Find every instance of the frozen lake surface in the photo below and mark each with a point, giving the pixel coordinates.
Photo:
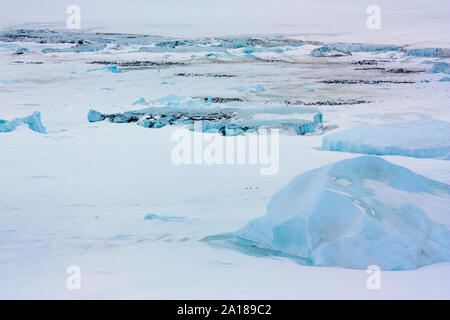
(107, 196)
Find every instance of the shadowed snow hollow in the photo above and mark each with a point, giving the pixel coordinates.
(356, 213)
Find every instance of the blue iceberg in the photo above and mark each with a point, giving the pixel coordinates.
(353, 213)
(223, 120)
(112, 69)
(95, 116)
(33, 121)
(139, 101)
(348, 48)
(440, 67)
(426, 138)
(428, 52)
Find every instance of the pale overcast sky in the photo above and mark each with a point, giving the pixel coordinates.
(213, 17)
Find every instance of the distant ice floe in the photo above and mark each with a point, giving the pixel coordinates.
(428, 52)
(176, 110)
(426, 138)
(348, 48)
(178, 51)
(106, 42)
(339, 49)
(33, 121)
(353, 213)
(440, 67)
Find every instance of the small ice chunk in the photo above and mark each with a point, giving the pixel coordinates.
(33, 121)
(258, 88)
(140, 101)
(95, 116)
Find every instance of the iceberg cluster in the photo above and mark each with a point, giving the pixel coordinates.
(354, 213)
(33, 121)
(96, 42)
(426, 138)
(176, 110)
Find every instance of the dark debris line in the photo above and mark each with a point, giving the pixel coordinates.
(364, 81)
(209, 75)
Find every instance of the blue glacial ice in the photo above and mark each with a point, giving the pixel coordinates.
(112, 69)
(348, 48)
(152, 216)
(11, 81)
(77, 48)
(33, 121)
(258, 88)
(215, 48)
(426, 138)
(139, 101)
(354, 213)
(238, 127)
(176, 110)
(331, 49)
(440, 67)
(95, 116)
(21, 51)
(428, 52)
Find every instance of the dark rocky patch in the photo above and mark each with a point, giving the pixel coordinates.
(393, 70)
(371, 69)
(328, 102)
(403, 70)
(223, 100)
(29, 62)
(209, 75)
(369, 62)
(365, 81)
(168, 117)
(136, 63)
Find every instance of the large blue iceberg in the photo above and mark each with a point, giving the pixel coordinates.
(354, 213)
(426, 138)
